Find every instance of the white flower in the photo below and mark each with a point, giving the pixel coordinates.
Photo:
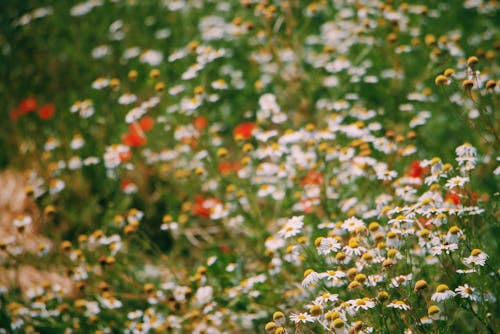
(477, 258)
(292, 227)
(310, 279)
(301, 317)
(204, 295)
(457, 181)
(352, 224)
(328, 245)
(442, 293)
(398, 304)
(467, 292)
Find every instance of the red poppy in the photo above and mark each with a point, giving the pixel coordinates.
(200, 123)
(125, 156)
(202, 206)
(415, 170)
(27, 105)
(146, 123)
(133, 139)
(452, 197)
(47, 111)
(244, 130)
(312, 177)
(225, 167)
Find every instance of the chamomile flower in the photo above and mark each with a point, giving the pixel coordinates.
(292, 227)
(301, 317)
(442, 293)
(467, 292)
(456, 182)
(477, 258)
(399, 305)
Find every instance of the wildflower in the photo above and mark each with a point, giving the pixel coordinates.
(442, 80)
(401, 280)
(420, 285)
(467, 292)
(433, 312)
(467, 84)
(442, 293)
(21, 222)
(399, 304)
(328, 245)
(292, 227)
(339, 326)
(301, 318)
(279, 317)
(363, 304)
(310, 278)
(270, 327)
(477, 257)
(457, 181)
(244, 131)
(46, 111)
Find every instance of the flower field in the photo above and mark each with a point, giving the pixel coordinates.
(249, 166)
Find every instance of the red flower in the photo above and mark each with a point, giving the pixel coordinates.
(202, 206)
(452, 197)
(244, 130)
(15, 113)
(27, 105)
(46, 111)
(133, 139)
(200, 123)
(415, 170)
(225, 167)
(146, 123)
(125, 156)
(313, 177)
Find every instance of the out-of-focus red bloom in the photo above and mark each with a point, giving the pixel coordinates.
(47, 111)
(125, 156)
(200, 123)
(27, 105)
(146, 123)
(15, 113)
(415, 170)
(225, 249)
(452, 197)
(227, 167)
(202, 206)
(312, 177)
(244, 130)
(425, 222)
(307, 206)
(133, 139)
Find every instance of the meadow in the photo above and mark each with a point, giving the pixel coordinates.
(251, 166)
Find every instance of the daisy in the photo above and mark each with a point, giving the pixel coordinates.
(326, 297)
(456, 182)
(352, 224)
(362, 304)
(310, 278)
(399, 304)
(467, 292)
(292, 227)
(401, 280)
(328, 245)
(301, 318)
(442, 293)
(477, 257)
